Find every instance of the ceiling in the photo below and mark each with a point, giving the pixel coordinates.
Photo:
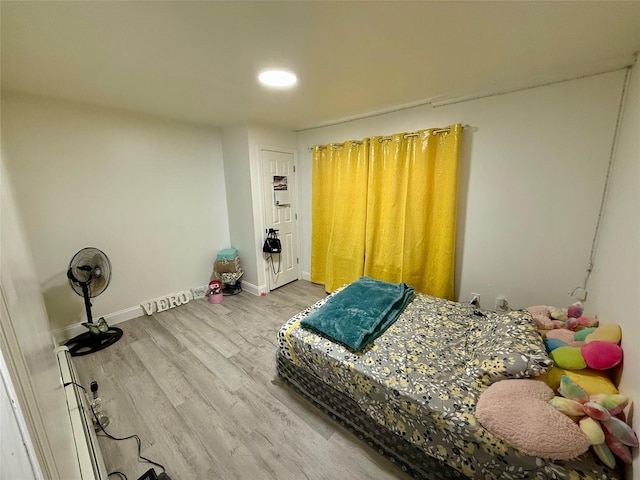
(198, 61)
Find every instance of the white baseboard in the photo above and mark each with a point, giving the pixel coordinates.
(246, 286)
(254, 289)
(124, 315)
(306, 276)
(61, 335)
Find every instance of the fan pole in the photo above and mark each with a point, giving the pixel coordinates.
(87, 302)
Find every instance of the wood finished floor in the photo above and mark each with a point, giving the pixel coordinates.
(198, 385)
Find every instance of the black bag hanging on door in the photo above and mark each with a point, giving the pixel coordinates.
(272, 242)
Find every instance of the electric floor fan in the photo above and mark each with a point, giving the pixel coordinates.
(89, 275)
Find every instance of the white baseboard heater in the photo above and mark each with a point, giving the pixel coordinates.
(90, 462)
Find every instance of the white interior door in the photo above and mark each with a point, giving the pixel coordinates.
(279, 187)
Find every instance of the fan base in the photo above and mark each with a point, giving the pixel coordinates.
(87, 342)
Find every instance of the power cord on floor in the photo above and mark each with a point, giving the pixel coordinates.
(163, 475)
(76, 384)
(138, 441)
(122, 475)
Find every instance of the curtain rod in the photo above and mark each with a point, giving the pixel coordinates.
(384, 139)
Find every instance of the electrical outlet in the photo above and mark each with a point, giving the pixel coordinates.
(501, 304)
(199, 292)
(475, 299)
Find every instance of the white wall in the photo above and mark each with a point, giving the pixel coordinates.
(43, 441)
(149, 192)
(241, 148)
(237, 171)
(532, 169)
(615, 282)
(261, 136)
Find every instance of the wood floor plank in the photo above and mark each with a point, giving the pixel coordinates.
(221, 368)
(160, 334)
(227, 412)
(198, 384)
(184, 447)
(230, 454)
(171, 380)
(322, 424)
(213, 331)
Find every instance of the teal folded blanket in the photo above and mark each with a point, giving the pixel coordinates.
(360, 313)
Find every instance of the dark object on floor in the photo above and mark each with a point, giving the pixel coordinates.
(149, 475)
(232, 289)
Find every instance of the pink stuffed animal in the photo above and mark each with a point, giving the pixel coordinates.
(548, 318)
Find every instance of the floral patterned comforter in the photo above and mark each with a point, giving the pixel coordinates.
(422, 378)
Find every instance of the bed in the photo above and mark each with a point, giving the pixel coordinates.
(411, 393)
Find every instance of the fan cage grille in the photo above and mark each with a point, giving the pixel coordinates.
(91, 266)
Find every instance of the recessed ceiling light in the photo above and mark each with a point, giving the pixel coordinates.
(277, 78)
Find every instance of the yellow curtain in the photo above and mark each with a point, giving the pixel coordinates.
(411, 210)
(339, 205)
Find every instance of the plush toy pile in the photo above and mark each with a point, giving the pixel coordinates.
(577, 344)
(548, 318)
(597, 418)
(595, 348)
(582, 352)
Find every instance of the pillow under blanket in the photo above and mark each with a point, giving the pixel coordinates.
(505, 346)
(518, 412)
